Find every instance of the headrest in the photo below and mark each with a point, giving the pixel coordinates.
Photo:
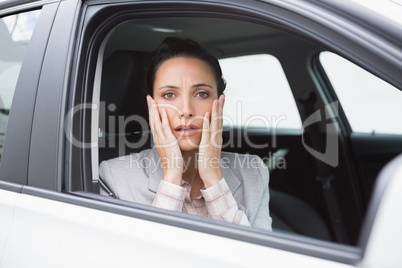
(122, 93)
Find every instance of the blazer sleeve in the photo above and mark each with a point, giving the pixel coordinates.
(263, 220)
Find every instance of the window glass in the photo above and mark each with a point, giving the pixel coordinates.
(15, 33)
(370, 104)
(271, 104)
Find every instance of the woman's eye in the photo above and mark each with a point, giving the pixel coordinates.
(168, 95)
(202, 94)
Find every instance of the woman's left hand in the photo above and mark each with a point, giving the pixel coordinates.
(209, 155)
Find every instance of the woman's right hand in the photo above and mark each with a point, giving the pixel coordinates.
(165, 143)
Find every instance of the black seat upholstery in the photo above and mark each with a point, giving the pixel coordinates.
(290, 214)
(124, 113)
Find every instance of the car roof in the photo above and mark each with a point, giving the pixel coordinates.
(223, 37)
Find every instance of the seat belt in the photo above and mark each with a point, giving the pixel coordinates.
(324, 173)
(276, 157)
(106, 188)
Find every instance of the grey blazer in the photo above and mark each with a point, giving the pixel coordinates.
(136, 178)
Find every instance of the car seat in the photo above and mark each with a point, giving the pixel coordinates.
(121, 97)
(293, 215)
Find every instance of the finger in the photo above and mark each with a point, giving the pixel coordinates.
(205, 134)
(221, 104)
(151, 110)
(149, 106)
(156, 119)
(150, 114)
(216, 136)
(165, 121)
(167, 132)
(158, 122)
(215, 115)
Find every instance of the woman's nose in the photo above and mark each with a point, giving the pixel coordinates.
(186, 109)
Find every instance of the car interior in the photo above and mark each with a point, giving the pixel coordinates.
(299, 192)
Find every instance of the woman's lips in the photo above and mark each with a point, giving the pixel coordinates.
(187, 130)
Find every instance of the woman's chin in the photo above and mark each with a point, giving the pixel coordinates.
(188, 144)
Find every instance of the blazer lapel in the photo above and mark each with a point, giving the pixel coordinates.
(155, 171)
(231, 179)
(234, 184)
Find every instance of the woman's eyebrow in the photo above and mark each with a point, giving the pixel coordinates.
(168, 87)
(193, 86)
(202, 85)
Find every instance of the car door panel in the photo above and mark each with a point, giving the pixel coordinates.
(46, 229)
(7, 200)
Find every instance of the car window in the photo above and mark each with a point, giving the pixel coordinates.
(263, 75)
(258, 95)
(370, 104)
(15, 34)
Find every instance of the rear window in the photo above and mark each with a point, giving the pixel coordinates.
(370, 104)
(271, 104)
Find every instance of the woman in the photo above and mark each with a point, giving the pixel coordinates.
(186, 170)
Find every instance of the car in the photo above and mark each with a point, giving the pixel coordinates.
(313, 89)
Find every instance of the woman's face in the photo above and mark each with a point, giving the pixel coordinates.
(186, 88)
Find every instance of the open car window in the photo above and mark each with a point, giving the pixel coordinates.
(260, 103)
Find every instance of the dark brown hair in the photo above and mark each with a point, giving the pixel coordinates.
(173, 47)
